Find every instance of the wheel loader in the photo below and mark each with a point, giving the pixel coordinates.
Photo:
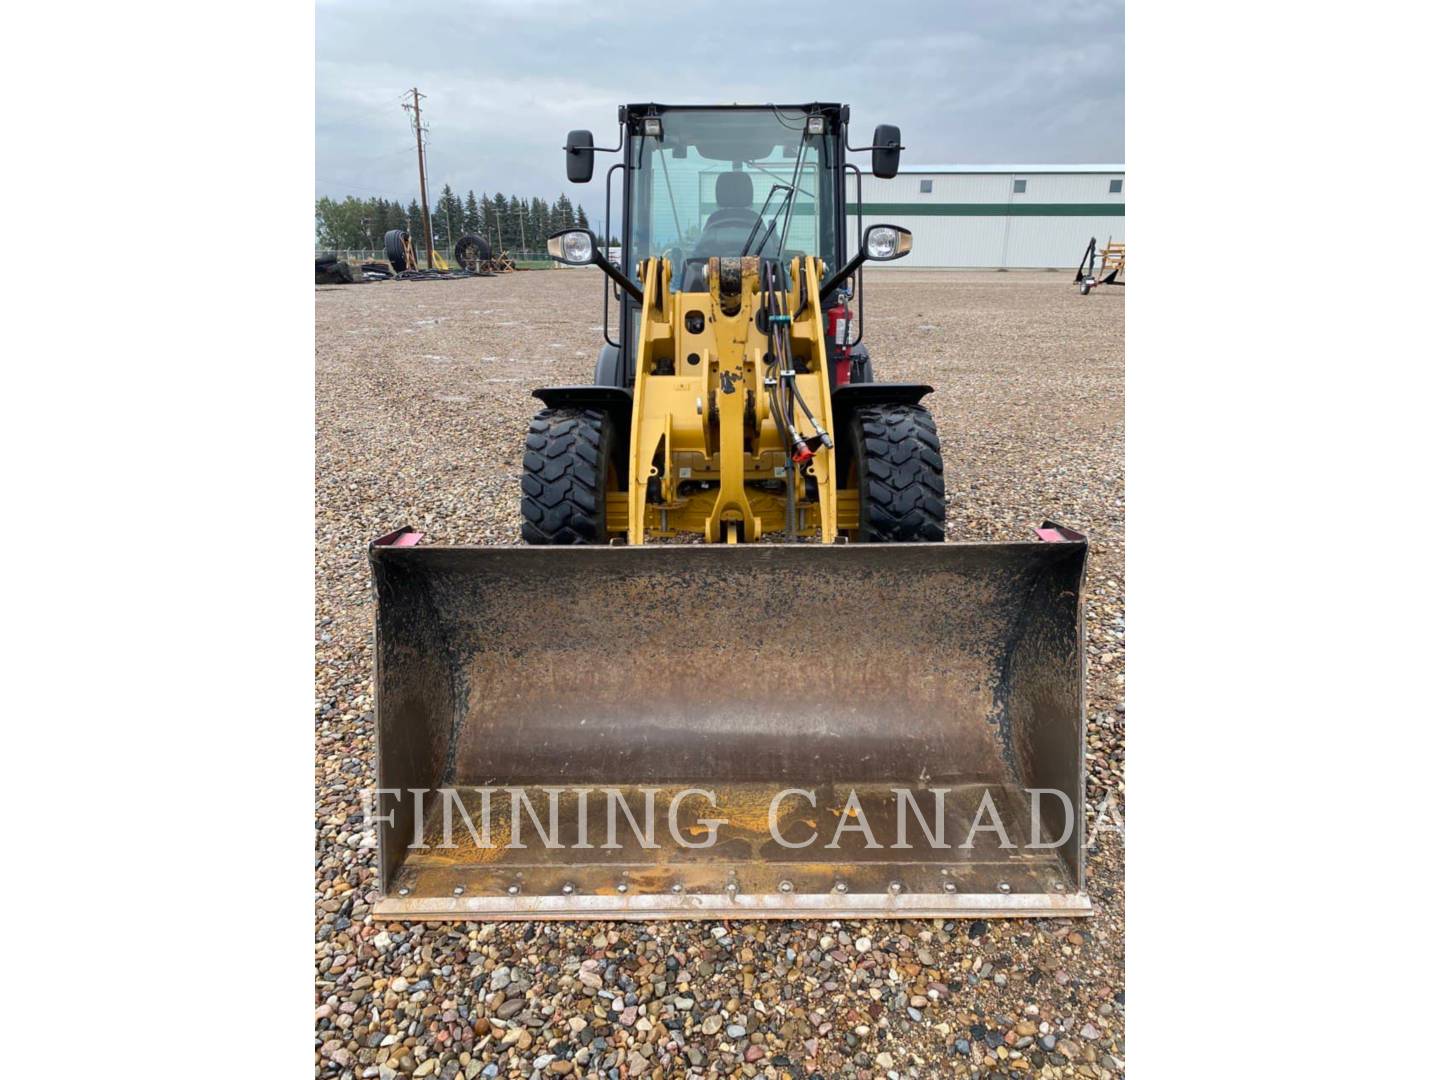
(735, 669)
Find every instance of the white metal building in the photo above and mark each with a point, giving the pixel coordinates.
(1012, 216)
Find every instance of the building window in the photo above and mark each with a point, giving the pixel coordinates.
(1115, 186)
(1019, 187)
(927, 186)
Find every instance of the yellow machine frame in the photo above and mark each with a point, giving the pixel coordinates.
(702, 438)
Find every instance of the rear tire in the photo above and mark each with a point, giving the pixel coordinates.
(568, 469)
(896, 467)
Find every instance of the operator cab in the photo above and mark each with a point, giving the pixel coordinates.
(697, 182)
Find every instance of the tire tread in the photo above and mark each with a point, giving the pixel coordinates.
(562, 496)
(900, 474)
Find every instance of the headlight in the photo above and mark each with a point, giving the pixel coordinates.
(578, 247)
(881, 243)
(885, 242)
(574, 246)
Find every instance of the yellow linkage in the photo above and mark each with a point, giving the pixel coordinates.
(701, 436)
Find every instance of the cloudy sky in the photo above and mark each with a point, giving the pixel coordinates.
(968, 81)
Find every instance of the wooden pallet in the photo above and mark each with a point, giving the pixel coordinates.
(1112, 264)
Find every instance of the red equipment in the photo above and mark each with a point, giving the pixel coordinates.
(837, 329)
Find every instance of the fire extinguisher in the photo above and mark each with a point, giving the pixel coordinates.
(837, 329)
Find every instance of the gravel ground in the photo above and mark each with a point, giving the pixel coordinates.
(422, 403)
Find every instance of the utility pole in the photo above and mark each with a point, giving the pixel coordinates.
(415, 96)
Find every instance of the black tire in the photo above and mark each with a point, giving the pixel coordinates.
(567, 471)
(329, 258)
(337, 273)
(395, 248)
(608, 371)
(471, 250)
(895, 464)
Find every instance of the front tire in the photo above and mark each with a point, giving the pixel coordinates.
(896, 467)
(568, 469)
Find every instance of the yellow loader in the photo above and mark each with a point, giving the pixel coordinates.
(815, 708)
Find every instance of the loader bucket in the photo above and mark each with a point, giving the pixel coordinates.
(678, 731)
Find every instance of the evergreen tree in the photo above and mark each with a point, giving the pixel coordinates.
(515, 222)
(563, 214)
(509, 222)
(487, 220)
(447, 219)
(497, 214)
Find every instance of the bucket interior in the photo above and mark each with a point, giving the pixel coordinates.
(785, 693)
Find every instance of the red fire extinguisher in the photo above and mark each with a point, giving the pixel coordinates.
(837, 329)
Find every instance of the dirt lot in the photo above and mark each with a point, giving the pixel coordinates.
(422, 398)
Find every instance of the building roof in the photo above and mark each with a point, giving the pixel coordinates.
(1027, 169)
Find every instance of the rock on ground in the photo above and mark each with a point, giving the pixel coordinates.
(422, 401)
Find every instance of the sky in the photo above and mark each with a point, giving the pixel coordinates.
(967, 81)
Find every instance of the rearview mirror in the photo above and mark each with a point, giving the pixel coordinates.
(885, 152)
(580, 157)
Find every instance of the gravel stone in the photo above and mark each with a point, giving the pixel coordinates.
(422, 403)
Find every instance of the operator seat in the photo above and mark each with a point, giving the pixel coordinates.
(728, 227)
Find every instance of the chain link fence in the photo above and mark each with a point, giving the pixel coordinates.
(527, 260)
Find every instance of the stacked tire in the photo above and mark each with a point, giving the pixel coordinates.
(330, 270)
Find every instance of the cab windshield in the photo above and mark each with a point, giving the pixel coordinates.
(731, 182)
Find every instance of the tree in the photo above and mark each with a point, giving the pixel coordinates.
(563, 214)
(376, 221)
(509, 222)
(515, 219)
(447, 219)
(495, 217)
(487, 219)
(341, 225)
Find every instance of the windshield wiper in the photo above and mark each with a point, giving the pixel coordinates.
(760, 218)
(674, 211)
